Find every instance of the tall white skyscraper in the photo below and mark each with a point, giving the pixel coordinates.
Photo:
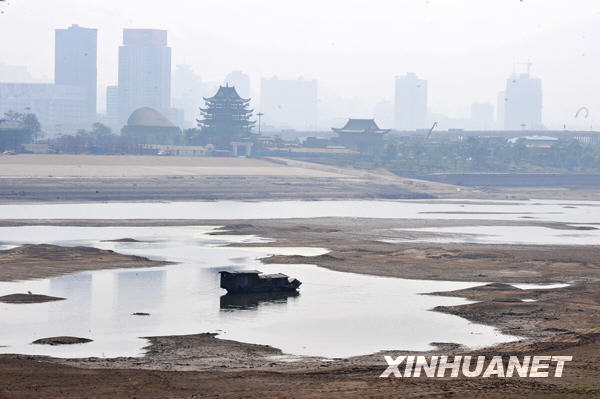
(144, 72)
(112, 106)
(410, 108)
(241, 81)
(75, 62)
(523, 103)
(289, 104)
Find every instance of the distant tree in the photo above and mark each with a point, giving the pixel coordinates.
(478, 151)
(194, 136)
(27, 121)
(101, 130)
(32, 125)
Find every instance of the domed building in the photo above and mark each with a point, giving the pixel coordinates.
(148, 126)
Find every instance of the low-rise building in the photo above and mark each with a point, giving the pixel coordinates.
(362, 135)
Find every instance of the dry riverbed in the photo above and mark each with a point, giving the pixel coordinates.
(556, 321)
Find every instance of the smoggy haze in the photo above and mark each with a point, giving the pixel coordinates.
(465, 49)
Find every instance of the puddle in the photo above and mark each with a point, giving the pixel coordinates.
(539, 286)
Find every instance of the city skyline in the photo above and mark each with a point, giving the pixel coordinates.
(476, 58)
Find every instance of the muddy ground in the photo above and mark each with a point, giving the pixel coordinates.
(43, 261)
(560, 321)
(35, 377)
(29, 298)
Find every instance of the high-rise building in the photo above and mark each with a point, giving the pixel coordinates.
(523, 103)
(75, 62)
(289, 104)
(240, 81)
(112, 106)
(144, 72)
(410, 108)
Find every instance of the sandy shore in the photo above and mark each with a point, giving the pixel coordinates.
(132, 166)
(84, 178)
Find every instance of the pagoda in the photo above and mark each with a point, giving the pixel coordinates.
(226, 117)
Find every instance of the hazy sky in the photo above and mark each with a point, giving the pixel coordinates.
(465, 48)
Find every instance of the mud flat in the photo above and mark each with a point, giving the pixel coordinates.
(534, 313)
(28, 298)
(43, 261)
(63, 340)
(356, 246)
(558, 321)
(27, 376)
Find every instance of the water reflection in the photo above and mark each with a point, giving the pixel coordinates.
(336, 315)
(231, 302)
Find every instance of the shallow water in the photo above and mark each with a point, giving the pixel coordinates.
(335, 315)
(518, 235)
(540, 210)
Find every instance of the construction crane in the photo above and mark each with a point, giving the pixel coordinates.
(430, 131)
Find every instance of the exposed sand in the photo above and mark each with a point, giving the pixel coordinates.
(85, 178)
(85, 166)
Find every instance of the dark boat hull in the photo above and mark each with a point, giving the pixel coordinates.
(253, 282)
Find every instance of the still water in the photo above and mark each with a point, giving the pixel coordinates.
(335, 315)
(539, 210)
(516, 235)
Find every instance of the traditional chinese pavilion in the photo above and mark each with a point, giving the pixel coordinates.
(362, 135)
(226, 117)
